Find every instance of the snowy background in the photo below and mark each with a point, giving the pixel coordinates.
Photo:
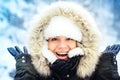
(13, 14)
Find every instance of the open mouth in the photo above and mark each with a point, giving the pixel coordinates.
(62, 55)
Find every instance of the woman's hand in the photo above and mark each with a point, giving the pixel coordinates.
(114, 49)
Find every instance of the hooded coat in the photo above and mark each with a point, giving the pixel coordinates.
(90, 64)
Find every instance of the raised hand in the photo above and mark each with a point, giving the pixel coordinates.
(17, 51)
(114, 49)
(19, 55)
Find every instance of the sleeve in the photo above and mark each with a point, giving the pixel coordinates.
(24, 68)
(107, 68)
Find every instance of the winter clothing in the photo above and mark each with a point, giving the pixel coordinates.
(59, 25)
(112, 50)
(89, 65)
(66, 70)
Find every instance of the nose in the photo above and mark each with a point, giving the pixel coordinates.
(63, 45)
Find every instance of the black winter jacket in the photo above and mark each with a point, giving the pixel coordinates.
(105, 70)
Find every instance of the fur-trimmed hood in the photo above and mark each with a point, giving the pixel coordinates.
(85, 22)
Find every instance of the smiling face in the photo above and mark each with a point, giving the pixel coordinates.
(61, 45)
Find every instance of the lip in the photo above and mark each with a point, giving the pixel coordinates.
(63, 56)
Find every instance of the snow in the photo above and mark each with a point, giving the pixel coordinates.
(12, 29)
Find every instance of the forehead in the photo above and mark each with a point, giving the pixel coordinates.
(61, 37)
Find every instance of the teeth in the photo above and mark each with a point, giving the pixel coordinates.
(62, 54)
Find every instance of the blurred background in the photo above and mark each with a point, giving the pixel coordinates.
(13, 14)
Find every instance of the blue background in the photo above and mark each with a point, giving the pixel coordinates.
(14, 14)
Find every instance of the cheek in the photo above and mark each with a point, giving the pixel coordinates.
(51, 46)
(73, 45)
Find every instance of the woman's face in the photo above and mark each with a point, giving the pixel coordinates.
(61, 45)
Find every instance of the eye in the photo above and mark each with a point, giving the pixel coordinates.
(69, 39)
(54, 39)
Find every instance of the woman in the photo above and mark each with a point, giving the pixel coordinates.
(64, 45)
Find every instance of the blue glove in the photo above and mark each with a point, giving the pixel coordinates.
(20, 56)
(16, 52)
(114, 49)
